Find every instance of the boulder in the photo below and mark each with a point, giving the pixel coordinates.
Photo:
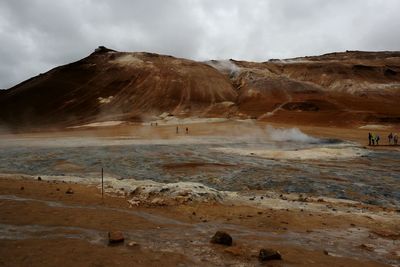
(269, 254)
(222, 238)
(115, 237)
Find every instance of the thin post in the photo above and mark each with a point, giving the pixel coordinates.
(102, 184)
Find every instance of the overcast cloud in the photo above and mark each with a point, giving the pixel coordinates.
(37, 35)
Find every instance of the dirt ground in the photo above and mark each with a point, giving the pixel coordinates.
(85, 209)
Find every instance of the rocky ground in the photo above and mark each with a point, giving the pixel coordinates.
(46, 223)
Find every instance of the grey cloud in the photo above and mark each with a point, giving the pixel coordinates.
(37, 35)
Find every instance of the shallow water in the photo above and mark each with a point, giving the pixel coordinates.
(371, 177)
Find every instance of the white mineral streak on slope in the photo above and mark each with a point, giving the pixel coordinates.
(100, 124)
(374, 127)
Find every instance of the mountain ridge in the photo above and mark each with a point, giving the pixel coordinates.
(351, 87)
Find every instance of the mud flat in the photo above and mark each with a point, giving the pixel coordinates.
(318, 196)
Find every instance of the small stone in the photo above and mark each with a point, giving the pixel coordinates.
(115, 237)
(158, 201)
(222, 238)
(269, 254)
(58, 189)
(133, 244)
(194, 213)
(368, 247)
(22, 188)
(326, 252)
(69, 191)
(39, 178)
(259, 213)
(184, 193)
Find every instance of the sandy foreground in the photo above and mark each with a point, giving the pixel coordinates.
(43, 225)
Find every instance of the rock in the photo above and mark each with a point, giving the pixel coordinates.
(368, 247)
(134, 202)
(269, 254)
(115, 237)
(158, 202)
(388, 234)
(39, 178)
(184, 193)
(22, 188)
(222, 238)
(133, 244)
(69, 191)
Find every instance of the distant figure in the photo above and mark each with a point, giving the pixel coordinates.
(377, 140)
(156, 123)
(390, 137)
(395, 139)
(177, 129)
(187, 130)
(373, 139)
(151, 124)
(369, 139)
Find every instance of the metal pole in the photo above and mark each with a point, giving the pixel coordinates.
(102, 184)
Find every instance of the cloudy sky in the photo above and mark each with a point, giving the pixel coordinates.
(37, 35)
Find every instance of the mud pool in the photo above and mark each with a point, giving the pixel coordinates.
(360, 174)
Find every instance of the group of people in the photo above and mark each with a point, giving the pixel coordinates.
(177, 130)
(373, 139)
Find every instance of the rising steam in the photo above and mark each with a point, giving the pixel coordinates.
(292, 134)
(225, 66)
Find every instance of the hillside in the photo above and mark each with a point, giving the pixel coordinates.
(110, 85)
(349, 88)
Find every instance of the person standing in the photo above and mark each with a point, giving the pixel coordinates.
(377, 139)
(369, 139)
(395, 139)
(390, 137)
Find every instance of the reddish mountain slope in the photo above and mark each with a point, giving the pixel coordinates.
(349, 88)
(115, 85)
(337, 88)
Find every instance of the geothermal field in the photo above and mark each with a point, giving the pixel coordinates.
(318, 196)
(142, 159)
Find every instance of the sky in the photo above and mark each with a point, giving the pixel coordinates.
(37, 35)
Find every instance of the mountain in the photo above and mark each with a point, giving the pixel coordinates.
(339, 88)
(346, 88)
